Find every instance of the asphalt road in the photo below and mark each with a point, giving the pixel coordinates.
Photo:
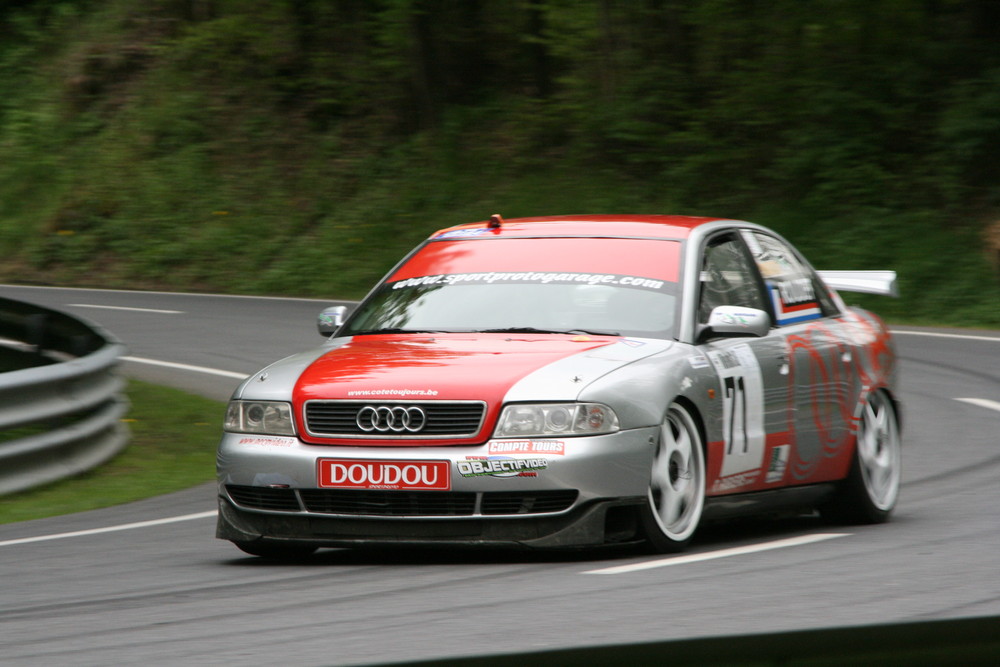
(147, 582)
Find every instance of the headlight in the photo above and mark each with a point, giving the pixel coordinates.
(263, 417)
(548, 419)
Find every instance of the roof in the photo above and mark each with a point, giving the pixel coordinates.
(641, 226)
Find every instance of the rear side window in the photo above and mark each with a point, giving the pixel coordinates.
(795, 291)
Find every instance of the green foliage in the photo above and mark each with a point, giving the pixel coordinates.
(300, 147)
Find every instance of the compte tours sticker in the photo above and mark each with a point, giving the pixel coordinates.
(549, 447)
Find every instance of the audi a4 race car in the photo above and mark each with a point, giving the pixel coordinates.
(570, 381)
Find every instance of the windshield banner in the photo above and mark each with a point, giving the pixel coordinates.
(542, 277)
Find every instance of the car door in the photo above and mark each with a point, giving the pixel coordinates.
(820, 360)
(752, 374)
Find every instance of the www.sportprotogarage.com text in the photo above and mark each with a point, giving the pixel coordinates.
(531, 276)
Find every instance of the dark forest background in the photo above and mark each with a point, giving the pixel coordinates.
(300, 147)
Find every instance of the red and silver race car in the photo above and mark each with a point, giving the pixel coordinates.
(570, 381)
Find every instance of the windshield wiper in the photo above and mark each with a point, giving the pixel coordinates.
(533, 330)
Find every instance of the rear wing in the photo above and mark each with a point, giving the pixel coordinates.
(867, 282)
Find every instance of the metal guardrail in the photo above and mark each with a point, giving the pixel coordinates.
(61, 406)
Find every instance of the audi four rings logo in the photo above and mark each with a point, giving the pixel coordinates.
(385, 418)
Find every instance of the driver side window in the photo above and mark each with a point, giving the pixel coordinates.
(727, 278)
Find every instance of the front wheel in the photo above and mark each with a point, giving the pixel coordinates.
(676, 494)
(869, 493)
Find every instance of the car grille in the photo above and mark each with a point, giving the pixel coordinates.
(527, 503)
(263, 498)
(401, 503)
(339, 419)
(389, 503)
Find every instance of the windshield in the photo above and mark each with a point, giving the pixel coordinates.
(529, 289)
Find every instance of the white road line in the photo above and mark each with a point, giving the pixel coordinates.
(136, 310)
(995, 339)
(110, 529)
(21, 345)
(981, 402)
(186, 367)
(723, 553)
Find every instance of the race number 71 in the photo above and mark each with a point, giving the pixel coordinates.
(735, 390)
(742, 407)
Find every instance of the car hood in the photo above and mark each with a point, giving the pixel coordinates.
(439, 367)
(492, 368)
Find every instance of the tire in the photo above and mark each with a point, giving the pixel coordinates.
(676, 493)
(870, 491)
(272, 551)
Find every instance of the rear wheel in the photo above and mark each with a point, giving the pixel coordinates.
(676, 494)
(869, 493)
(274, 551)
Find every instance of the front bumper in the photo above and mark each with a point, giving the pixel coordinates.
(582, 492)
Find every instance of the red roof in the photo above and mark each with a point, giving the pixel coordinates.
(518, 252)
(650, 226)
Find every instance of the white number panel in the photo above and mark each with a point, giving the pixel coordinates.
(743, 408)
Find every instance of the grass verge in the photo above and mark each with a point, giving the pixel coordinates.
(174, 436)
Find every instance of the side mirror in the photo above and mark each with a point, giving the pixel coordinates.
(330, 320)
(735, 322)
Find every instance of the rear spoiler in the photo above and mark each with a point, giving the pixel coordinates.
(868, 282)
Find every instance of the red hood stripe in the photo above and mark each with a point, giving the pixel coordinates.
(394, 368)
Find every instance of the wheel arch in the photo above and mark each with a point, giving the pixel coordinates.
(699, 421)
(897, 404)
